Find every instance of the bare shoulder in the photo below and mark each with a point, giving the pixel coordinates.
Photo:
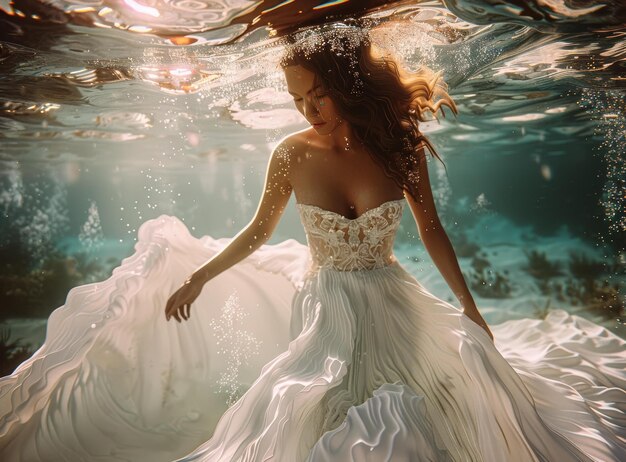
(291, 147)
(295, 141)
(282, 161)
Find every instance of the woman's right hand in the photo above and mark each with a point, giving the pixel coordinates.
(179, 304)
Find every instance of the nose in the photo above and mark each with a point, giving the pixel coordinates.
(310, 108)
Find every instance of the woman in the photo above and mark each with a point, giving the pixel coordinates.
(338, 142)
(370, 345)
(330, 351)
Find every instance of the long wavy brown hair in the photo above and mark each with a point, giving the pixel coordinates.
(380, 99)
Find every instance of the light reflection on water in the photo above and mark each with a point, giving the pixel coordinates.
(127, 114)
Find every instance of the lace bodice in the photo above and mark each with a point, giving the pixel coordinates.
(346, 244)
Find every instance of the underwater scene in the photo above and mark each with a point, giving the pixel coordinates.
(113, 114)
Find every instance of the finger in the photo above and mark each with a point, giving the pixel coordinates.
(188, 310)
(176, 314)
(169, 308)
(174, 305)
(182, 311)
(169, 311)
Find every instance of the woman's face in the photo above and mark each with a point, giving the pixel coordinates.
(312, 102)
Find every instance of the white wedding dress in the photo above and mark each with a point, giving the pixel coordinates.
(325, 352)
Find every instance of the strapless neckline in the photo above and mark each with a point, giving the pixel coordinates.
(367, 212)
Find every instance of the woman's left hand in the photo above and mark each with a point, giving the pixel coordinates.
(179, 304)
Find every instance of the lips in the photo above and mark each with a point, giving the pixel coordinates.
(319, 124)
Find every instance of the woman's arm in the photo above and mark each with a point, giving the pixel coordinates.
(274, 198)
(437, 242)
(276, 193)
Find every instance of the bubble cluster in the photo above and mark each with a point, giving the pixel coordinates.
(12, 192)
(481, 203)
(340, 38)
(38, 213)
(91, 235)
(234, 343)
(607, 108)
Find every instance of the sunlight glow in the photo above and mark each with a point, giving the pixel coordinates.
(287, 2)
(142, 8)
(329, 4)
(523, 117)
(181, 72)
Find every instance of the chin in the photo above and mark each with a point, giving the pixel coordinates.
(322, 129)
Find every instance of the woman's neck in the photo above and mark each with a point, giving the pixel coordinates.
(343, 139)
